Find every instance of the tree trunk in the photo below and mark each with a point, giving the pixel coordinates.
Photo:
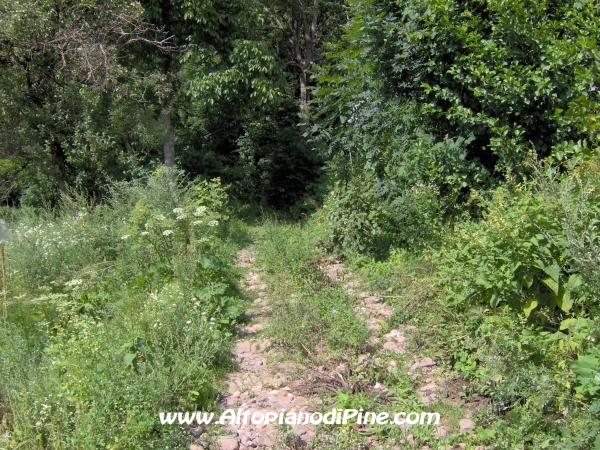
(128, 147)
(169, 146)
(304, 97)
(309, 33)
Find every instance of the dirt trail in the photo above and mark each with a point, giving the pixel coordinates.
(259, 384)
(263, 384)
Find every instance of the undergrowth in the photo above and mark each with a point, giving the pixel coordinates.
(116, 312)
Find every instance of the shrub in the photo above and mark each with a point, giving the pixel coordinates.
(521, 254)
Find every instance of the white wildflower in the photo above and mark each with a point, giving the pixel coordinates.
(124, 237)
(167, 232)
(213, 223)
(200, 210)
(144, 233)
(178, 210)
(73, 283)
(160, 217)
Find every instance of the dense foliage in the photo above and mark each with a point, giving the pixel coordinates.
(450, 150)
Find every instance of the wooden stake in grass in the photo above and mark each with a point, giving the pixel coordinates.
(4, 236)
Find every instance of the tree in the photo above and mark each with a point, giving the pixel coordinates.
(70, 97)
(301, 30)
(223, 56)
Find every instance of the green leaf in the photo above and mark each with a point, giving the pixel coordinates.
(586, 367)
(573, 282)
(564, 300)
(552, 285)
(529, 306)
(553, 272)
(566, 324)
(128, 359)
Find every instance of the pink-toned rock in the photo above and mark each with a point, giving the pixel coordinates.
(246, 441)
(380, 387)
(441, 432)
(392, 347)
(265, 440)
(300, 430)
(228, 443)
(466, 424)
(427, 362)
(196, 447)
(243, 347)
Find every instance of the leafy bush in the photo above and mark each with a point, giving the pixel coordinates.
(531, 255)
(493, 70)
(520, 253)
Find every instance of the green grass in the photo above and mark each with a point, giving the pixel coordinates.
(311, 314)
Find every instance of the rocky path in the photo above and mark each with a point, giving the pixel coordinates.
(262, 382)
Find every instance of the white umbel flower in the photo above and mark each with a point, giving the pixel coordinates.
(200, 210)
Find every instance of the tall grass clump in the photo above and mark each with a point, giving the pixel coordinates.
(311, 313)
(117, 311)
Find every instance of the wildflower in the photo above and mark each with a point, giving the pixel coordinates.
(167, 232)
(144, 233)
(197, 222)
(200, 210)
(178, 210)
(124, 237)
(213, 223)
(160, 217)
(73, 283)
(188, 322)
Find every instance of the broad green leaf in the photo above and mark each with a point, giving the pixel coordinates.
(573, 282)
(567, 323)
(553, 272)
(128, 359)
(586, 367)
(529, 306)
(552, 285)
